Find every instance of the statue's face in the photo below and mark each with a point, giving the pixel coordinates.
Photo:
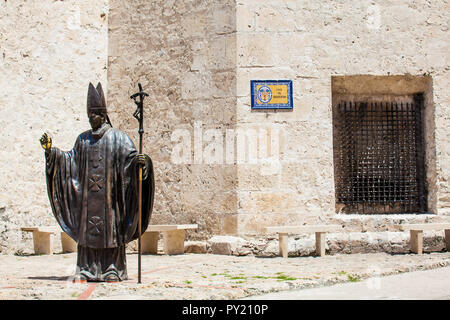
(96, 120)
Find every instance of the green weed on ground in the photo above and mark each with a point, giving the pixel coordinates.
(279, 276)
(353, 278)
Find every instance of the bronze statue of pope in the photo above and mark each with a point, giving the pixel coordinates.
(93, 192)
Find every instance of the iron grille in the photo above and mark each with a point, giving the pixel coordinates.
(379, 156)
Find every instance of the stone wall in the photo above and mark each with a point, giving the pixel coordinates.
(183, 53)
(309, 43)
(196, 58)
(49, 51)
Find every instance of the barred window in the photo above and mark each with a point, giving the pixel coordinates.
(379, 155)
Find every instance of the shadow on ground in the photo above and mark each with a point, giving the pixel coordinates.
(54, 278)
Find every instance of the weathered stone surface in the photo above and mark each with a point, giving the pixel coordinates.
(184, 54)
(271, 249)
(206, 277)
(49, 52)
(195, 247)
(310, 56)
(196, 59)
(350, 243)
(226, 245)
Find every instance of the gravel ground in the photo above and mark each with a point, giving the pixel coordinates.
(201, 276)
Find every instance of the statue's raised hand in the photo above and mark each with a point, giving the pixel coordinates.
(46, 142)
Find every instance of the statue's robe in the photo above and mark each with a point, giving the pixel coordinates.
(93, 191)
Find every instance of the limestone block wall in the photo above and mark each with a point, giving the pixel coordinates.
(196, 58)
(184, 55)
(49, 51)
(309, 42)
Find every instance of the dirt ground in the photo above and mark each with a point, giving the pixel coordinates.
(200, 276)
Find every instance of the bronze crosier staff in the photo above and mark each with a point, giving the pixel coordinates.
(139, 115)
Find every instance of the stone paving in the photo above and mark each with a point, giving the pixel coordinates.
(431, 284)
(201, 276)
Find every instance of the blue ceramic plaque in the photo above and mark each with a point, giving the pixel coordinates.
(271, 94)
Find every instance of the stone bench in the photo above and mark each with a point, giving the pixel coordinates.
(416, 232)
(319, 230)
(173, 238)
(43, 242)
